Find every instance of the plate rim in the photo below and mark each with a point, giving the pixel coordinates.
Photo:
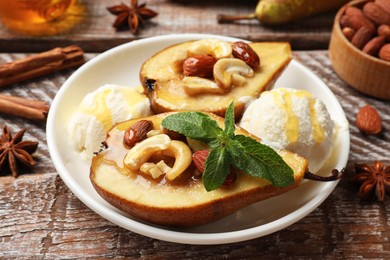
(171, 235)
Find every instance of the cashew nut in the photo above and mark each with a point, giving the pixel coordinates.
(162, 166)
(183, 158)
(154, 132)
(197, 85)
(155, 170)
(138, 156)
(151, 169)
(231, 71)
(143, 150)
(218, 49)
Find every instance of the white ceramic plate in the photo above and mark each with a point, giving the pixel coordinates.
(121, 65)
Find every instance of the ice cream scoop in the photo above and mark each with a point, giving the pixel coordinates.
(100, 110)
(294, 120)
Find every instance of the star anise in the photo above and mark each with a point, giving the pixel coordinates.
(131, 16)
(15, 152)
(372, 177)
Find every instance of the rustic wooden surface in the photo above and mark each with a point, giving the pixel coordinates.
(95, 34)
(41, 218)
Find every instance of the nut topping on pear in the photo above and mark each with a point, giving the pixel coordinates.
(199, 65)
(244, 52)
(230, 72)
(218, 49)
(137, 158)
(182, 81)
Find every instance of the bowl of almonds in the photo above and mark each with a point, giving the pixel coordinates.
(359, 48)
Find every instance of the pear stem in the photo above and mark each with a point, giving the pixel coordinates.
(335, 176)
(222, 18)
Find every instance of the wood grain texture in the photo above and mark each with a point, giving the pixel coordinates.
(41, 219)
(96, 34)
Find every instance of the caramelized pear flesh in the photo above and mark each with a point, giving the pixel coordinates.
(163, 82)
(183, 201)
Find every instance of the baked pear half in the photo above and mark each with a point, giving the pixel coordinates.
(157, 179)
(206, 75)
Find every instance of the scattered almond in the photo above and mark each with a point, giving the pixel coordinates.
(137, 132)
(199, 66)
(368, 120)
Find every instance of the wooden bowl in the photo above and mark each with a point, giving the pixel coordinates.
(367, 74)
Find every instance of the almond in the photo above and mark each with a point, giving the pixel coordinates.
(137, 132)
(173, 134)
(384, 30)
(376, 13)
(243, 51)
(384, 52)
(353, 10)
(374, 45)
(384, 4)
(368, 120)
(230, 179)
(199, 66)
(199, 159)
(356, 21)
(348, 33)
(361, 37)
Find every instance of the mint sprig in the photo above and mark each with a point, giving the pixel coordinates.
(227, 148)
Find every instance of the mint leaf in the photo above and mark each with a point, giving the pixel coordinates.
(245, 162)
(194, 125)
(260, 160)
(229, 121)
(216, 168)
(214, 143)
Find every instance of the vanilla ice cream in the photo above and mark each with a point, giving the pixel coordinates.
(100, 110)
(294, 120)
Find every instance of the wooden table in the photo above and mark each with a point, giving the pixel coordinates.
(41, 218)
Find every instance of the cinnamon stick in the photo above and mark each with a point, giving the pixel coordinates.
(41, 64)
(27, 108)
(37, 104)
